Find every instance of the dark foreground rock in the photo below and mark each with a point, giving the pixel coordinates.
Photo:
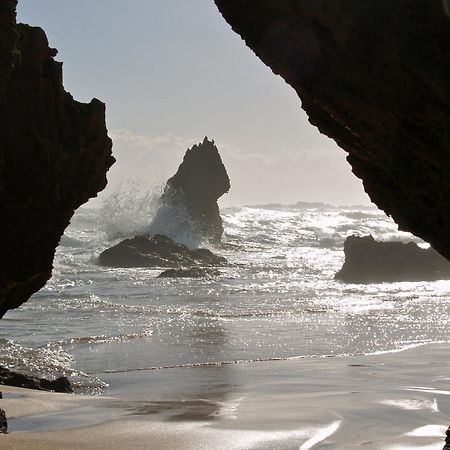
(374, 76)
(447, 440)
(200, 181)
(192, 272)
(3, 422)
(369, 261)
(10, 378)
(157, 251)
(54, 155)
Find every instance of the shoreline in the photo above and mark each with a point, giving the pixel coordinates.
(389, 401)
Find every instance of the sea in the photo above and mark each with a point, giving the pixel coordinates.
(277, 300)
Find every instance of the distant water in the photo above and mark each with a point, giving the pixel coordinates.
(277, 300)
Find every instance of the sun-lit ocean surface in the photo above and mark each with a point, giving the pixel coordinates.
(277, 300)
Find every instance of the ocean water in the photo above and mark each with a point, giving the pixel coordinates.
(277, 300)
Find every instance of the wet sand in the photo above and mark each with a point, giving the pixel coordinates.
(391, 401)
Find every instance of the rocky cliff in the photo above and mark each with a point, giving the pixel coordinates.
(372, 75)
(54, 155)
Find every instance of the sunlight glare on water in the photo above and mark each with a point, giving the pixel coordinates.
(277, 299)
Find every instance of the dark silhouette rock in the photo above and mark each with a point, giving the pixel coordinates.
(157, 251)
(3, 422)
(447, 440)
(54, 155)
(200, 181)
(369, 261)
(374, 76)
(192, 272)
(10, 378)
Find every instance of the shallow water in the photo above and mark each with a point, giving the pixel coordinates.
(277, 300)
(387, 401)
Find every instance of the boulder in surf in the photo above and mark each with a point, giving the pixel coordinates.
(371, 261)
(157, 251)
(11, 378)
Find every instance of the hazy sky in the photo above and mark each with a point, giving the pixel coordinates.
(171, 72)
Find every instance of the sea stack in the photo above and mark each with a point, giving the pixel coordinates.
(201, 179)
(188, 214)
(370, 261)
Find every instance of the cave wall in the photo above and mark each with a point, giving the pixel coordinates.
(54, 155)
(374, 76)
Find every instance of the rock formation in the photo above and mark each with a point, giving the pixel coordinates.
(447, 440)
(192, 272)
(372, 75)
(11, 378)
(199, 182)
(157, 251)
(369, 261)
(3, 422)
(54, 155)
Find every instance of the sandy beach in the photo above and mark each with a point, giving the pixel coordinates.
(390, 401)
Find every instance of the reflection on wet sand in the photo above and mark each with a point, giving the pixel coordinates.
(202, 394)
(204, 405)
(303, 404)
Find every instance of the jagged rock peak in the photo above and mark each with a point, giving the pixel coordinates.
(201, 179)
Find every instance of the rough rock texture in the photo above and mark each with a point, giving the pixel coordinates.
(54, 155)
(374, 76)
(199, 182)
(157, 251)
(447, 440)
(10, 378)
(369, 261)
(3, 422)
(192, 272)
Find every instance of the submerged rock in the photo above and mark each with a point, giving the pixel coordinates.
(192, 193)
(373, 76)
(54, 155)
(10, 378)
(369, 261)
(192, 272)
(157, 251)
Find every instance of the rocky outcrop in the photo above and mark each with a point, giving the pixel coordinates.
(200, 181)
(54, 155)
(157, 251)
(11, 378)
(192, 272)
(372, 75)
(369, 261)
